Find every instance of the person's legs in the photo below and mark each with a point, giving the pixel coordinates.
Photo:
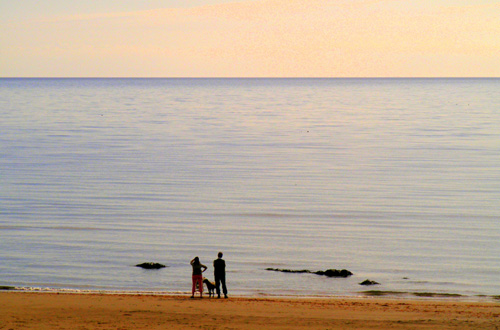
(197, 281)
(200, 284)
(217, 285)
(223, 282)
(194, 279)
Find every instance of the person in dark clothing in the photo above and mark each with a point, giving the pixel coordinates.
(220, 275)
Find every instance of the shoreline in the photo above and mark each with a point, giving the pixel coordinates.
(366, 294)
(96, 311)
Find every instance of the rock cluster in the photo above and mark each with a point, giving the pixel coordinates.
(151, 265)
(328, 273)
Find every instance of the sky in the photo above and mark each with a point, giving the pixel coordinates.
(250, 38)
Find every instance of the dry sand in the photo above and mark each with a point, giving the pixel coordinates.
(25, 310)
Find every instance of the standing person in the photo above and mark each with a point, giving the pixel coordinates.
(220, 275)
(198, 269)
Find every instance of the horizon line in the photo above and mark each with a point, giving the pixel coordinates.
(216, 77)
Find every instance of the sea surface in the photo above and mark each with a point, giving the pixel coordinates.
(396, 180)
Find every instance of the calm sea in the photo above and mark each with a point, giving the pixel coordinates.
(396, 180)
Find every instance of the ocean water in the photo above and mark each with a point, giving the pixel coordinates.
(396, 180)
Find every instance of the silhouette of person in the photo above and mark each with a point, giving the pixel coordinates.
(220, 275)
(198, 269)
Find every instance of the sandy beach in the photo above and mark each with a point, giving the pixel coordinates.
(23, 310)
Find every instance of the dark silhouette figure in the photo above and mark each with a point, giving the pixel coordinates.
(198, 269)
(220, 275)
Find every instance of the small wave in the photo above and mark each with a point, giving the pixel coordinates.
(88, 291)
(43, 289)
(17, 227)
(74, 228)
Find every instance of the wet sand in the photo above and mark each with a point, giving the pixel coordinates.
(28, 310)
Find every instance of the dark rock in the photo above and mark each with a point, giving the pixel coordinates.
(368, 282)
(334, 273)
(289, 270)
(3, 287)
(151, 265)
(328, 273)
(345, 273)
(338, 273)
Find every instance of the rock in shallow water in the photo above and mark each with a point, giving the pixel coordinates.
(368, 282)
(150, 265)
(335, 273)
(328, 273)
(4, 287)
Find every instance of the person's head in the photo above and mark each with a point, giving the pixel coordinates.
(196, 260)
(220, 255)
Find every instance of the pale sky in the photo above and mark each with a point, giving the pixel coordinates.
(250, 38)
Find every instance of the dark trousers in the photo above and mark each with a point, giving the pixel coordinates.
(220, 279)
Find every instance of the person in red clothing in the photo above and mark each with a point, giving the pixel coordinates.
(220, 275)
(198, 269)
